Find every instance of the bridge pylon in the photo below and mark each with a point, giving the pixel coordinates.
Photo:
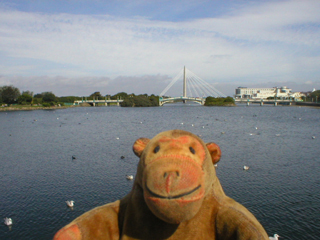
(194, 89)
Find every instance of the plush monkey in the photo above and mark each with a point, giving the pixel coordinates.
(176, 195)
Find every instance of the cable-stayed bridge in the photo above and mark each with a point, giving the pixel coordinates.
(194, 89)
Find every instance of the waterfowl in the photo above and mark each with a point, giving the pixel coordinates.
(70, 203)
(275, 237)
(245, 167)
(8, 221)
(129, 177)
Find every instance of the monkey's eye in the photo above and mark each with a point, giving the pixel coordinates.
(192, 150)
(156, 149)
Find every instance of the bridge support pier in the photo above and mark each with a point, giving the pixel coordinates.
(275, 104)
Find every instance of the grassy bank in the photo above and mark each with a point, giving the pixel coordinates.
(29, 108)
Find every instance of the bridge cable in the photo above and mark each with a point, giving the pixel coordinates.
(171, 83)
(194, 86)
(199, 86)
(217, 92)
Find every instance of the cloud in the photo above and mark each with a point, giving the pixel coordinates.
(269, 41)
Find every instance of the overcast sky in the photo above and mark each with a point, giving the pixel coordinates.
(77, 47)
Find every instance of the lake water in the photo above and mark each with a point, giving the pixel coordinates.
(37, 173)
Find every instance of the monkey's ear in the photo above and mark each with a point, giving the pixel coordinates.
(214, 151)
(139, 145)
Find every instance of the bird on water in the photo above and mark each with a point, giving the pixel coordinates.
(70, 203)
(275, 237)
(129, 177)
(8, 221)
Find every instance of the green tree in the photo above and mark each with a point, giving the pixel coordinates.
(136, 101)
(121, 95)
(154, 100)
(315, 95)
(27, 92)
(96, 96)
(9, 94)
(212, 101)
(38, 95)
(37, 98)
(49, 97)
(229, 100)
(25, 98)
(68, 99)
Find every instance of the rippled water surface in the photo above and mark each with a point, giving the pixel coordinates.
(37, 173)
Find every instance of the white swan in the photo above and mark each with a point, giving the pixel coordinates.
(129, 177)
(275, 237)
(245, 167)
(70, 203)
(8, 221)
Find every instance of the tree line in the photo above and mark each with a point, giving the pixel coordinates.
(219, 101)
(12, 95)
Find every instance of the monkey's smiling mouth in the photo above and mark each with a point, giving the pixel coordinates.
(172, 197)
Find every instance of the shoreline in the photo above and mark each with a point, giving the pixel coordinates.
(4, 109)
(29, 108)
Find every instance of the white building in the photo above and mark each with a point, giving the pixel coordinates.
(264, 93)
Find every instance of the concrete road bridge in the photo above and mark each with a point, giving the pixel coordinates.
(275, 102)
(93, 102)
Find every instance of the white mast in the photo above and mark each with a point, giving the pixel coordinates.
(184, 82)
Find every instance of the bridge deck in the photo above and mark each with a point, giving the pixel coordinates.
(97, 101)
(266, 101)
(176, 99)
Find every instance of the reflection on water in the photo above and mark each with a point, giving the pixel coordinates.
(38, 172)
